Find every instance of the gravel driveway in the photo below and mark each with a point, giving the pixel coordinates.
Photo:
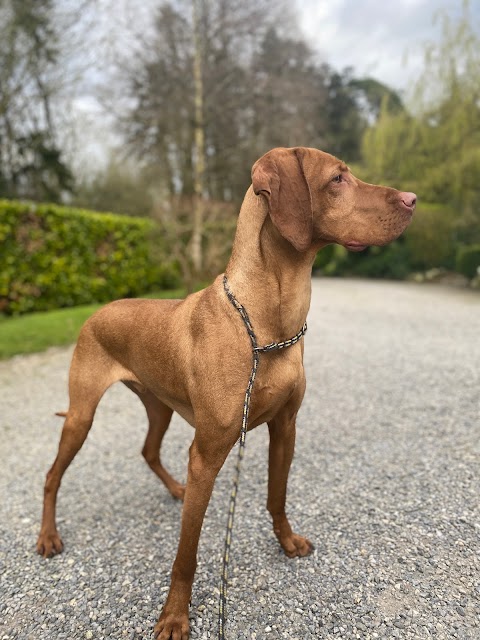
(385, 481)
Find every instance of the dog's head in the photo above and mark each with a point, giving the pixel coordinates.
(314, 198)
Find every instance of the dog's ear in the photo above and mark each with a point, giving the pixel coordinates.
(279, 176)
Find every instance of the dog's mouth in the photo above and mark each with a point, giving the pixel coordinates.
(355, 246)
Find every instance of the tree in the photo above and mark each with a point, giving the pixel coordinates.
(448, 106)
(370, 94)
(289, 95)
(344, 122)
(436, 146)
(199, 137)
(215, 85)
(351, 105)
(190, 104)
(119, 188)
(259, 89)
(31, 164)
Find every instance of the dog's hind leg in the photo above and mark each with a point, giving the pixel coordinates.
(91, 373)
(159, 416)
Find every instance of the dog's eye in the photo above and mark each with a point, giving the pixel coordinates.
(338, 178)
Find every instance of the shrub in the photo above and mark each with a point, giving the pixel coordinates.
(56, 256)
(391, 262)
(431, 237)
(324, 257)
(468, 260)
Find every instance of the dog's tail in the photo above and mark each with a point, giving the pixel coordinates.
(62, 414)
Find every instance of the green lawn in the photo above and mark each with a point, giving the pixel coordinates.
(37, 331)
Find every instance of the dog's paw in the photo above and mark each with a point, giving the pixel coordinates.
(49, 544)
(172, 627)
(178, 491)
(296, 546)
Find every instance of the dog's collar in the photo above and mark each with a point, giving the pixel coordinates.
(272, 346)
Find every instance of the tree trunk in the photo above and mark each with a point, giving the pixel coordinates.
(199, 164)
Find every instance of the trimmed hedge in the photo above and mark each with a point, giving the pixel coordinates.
(468, 261)
(52, 257)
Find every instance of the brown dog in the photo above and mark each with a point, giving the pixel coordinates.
(194, 356)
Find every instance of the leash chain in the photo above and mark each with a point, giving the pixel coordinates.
(256, 350)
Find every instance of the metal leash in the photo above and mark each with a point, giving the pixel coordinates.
(256, 350)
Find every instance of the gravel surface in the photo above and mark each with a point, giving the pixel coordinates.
(385, 481)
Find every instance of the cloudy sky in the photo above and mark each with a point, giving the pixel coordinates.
(379, 38)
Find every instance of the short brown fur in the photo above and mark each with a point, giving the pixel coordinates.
(194, 356)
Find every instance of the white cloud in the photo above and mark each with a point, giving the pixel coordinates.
(378, 38)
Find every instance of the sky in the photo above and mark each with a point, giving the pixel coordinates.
(379, 38)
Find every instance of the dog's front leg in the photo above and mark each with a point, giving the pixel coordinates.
(207, 455)
(282, 444)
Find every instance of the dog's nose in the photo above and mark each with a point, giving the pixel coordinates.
(408, 198)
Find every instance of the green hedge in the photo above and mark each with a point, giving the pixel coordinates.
(54, 256)
(468, 260)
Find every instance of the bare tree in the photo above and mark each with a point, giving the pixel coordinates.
(174, 217)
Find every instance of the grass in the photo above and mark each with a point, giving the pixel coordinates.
(34, 332)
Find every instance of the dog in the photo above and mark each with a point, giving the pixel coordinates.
(194, 356)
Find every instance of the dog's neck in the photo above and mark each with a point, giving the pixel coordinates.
(267, 275)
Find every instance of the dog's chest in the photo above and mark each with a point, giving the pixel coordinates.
(280, 378)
